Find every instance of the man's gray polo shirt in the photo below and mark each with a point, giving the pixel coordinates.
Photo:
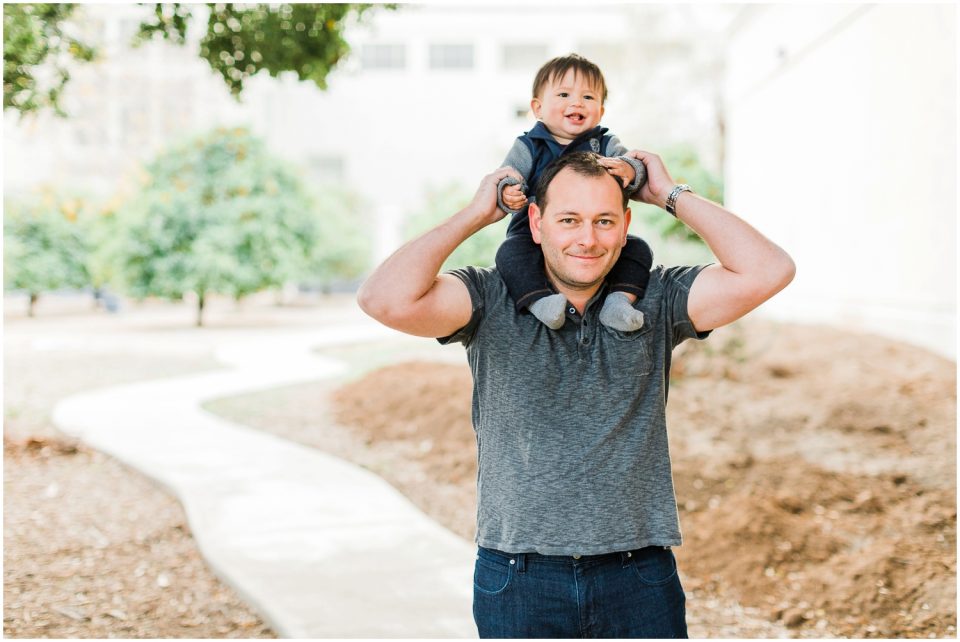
(571, 423)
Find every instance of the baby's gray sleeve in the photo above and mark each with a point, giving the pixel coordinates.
(520, 159)
(616, 149)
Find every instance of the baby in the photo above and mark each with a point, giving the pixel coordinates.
(568, 97)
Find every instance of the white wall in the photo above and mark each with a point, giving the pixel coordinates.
(842, 134)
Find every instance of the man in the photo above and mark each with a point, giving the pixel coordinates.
(576, 511)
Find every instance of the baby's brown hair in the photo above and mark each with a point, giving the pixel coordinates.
(559, 66)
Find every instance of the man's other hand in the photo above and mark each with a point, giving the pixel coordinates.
(659, 182)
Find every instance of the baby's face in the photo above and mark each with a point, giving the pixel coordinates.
(568, 106)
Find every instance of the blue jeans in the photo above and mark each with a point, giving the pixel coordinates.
(635, 594)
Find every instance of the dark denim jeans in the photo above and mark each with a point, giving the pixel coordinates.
(634, 594)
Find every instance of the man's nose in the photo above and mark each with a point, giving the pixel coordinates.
(587, 236)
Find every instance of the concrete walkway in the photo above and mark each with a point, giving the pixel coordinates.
(320, 547)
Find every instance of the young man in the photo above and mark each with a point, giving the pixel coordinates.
(576, 511)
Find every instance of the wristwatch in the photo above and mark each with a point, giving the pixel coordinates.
(671, 203)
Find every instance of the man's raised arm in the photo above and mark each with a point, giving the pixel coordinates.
(751, 268)
(406, 292)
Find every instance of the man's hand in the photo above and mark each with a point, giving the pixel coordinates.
(407, 292)
(619, 169)
(513, 197)
(484, 204)
(751, 267)
(659, 182)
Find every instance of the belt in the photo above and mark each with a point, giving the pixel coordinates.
(625, 557)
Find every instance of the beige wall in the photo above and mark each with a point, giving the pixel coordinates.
(842, 147)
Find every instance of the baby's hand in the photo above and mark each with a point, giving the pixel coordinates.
(513, 197)
(620, 169)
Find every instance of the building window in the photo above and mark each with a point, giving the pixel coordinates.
(383, 57)
(451, 56)
(522, 57)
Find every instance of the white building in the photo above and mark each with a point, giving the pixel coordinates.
(431, 95)
(842, 145)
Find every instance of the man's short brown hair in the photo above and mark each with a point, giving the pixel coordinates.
(582, 163)
(558, 67)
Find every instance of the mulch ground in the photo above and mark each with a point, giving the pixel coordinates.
(92, 549)
(815, 472)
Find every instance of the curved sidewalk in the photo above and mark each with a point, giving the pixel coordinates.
(320, 547)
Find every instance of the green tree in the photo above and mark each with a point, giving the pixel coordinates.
(684, 166)
(240, 41)
(345, 248)
(44, 247)
(100, 230)
(218, 215)
(442, 202)
(34, 39)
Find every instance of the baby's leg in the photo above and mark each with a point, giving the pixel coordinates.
(520, 262)
(628, 282)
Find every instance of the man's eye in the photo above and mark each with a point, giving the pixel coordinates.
(605, 222)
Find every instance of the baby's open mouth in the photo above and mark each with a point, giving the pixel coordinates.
(577, 118)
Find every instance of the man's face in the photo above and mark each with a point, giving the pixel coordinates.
(568, 106)
(582, 229)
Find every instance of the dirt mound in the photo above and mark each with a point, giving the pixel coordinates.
(815, 471)
(866, 555)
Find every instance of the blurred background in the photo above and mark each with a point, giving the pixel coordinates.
(831, 128)
(198, 190)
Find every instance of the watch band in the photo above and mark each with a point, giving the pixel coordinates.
(671, 204)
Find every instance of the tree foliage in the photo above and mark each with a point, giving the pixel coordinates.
(684, 166)
(218, 215)
(44, 247)
(345, 245)
(35, 51)
(240, 41)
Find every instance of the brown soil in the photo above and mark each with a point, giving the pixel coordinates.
(91, 548)
(815, 472)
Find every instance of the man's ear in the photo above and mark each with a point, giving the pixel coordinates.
(535, 107)
(626, 225)
(535, 217)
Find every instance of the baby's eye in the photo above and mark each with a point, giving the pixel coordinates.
(588, 97)
(563, 94)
